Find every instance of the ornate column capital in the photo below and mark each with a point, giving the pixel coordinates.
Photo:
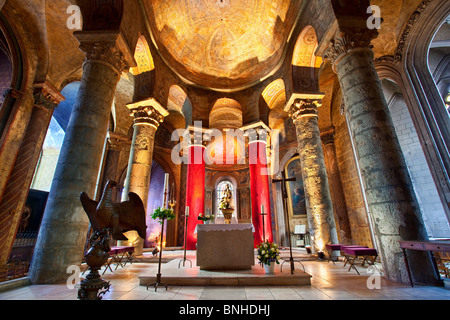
(148, 112)
(304, 105)
(348, 39)
(46, 96)
(257, 131)
(198, 136)
(108, 47)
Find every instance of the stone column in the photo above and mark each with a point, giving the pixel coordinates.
(117, 154)
(303, 109)
(258, 135)
(195, 183)
(65, 224)
(337, 192)
(14, 197)
(148, 114)
(392, 204)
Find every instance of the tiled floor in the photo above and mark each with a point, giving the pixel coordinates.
(329, 282)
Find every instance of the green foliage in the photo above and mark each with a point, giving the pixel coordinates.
(205, 218)
(162, 213)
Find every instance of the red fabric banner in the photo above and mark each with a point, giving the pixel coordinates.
(259, 190)
(195, 193)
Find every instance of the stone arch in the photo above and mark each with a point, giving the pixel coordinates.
(143, 57)
(226, 114)
(179, 106)
(422, 95)
(305, 64)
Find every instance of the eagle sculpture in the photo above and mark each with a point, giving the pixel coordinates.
(119, 217)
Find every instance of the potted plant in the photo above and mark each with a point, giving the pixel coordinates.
(163, 214)
(207, 219)
(269, 256)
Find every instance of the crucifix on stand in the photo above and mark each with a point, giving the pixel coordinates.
(263, 215)
(283, 181)
(186, 217)
(161, 243)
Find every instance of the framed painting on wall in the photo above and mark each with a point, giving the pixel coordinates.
(295, 189)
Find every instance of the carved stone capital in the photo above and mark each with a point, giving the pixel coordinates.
(46, 96)
(147, 115)
(107, 47)
(347, 40)
(257, 131)
(148, 112)
(198, 135)
(304, 105)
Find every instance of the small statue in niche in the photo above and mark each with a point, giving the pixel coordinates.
(225, 203)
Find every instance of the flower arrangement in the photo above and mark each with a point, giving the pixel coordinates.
(224, 205)
(209, 217)
(268, 252)
(163, 213)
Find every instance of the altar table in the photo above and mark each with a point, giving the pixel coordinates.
(225, 247)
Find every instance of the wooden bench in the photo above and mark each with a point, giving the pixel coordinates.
(120, 256)
(331, 248)
(369, 255)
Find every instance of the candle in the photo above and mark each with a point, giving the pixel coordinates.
(187, 211)
(262, 208)
(166, 182)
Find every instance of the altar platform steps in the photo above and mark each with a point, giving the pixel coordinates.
(174, 273)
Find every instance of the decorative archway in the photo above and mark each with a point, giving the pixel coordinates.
(425, 102)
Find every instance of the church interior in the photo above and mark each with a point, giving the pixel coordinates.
(304, 123)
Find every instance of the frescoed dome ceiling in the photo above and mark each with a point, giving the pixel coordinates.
(222, 44)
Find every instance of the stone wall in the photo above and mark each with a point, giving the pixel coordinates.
(348, 169)
(427, 195)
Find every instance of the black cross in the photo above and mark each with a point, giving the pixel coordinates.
(283, 181)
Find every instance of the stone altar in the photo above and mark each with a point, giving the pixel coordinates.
(225, 247)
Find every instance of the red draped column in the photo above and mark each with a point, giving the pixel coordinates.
(195, 192)
(259, 188)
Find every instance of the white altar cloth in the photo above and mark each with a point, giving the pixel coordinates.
(225, 246)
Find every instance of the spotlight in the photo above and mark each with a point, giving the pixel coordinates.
(321, 255)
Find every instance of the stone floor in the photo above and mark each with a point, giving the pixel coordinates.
(329, 282)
